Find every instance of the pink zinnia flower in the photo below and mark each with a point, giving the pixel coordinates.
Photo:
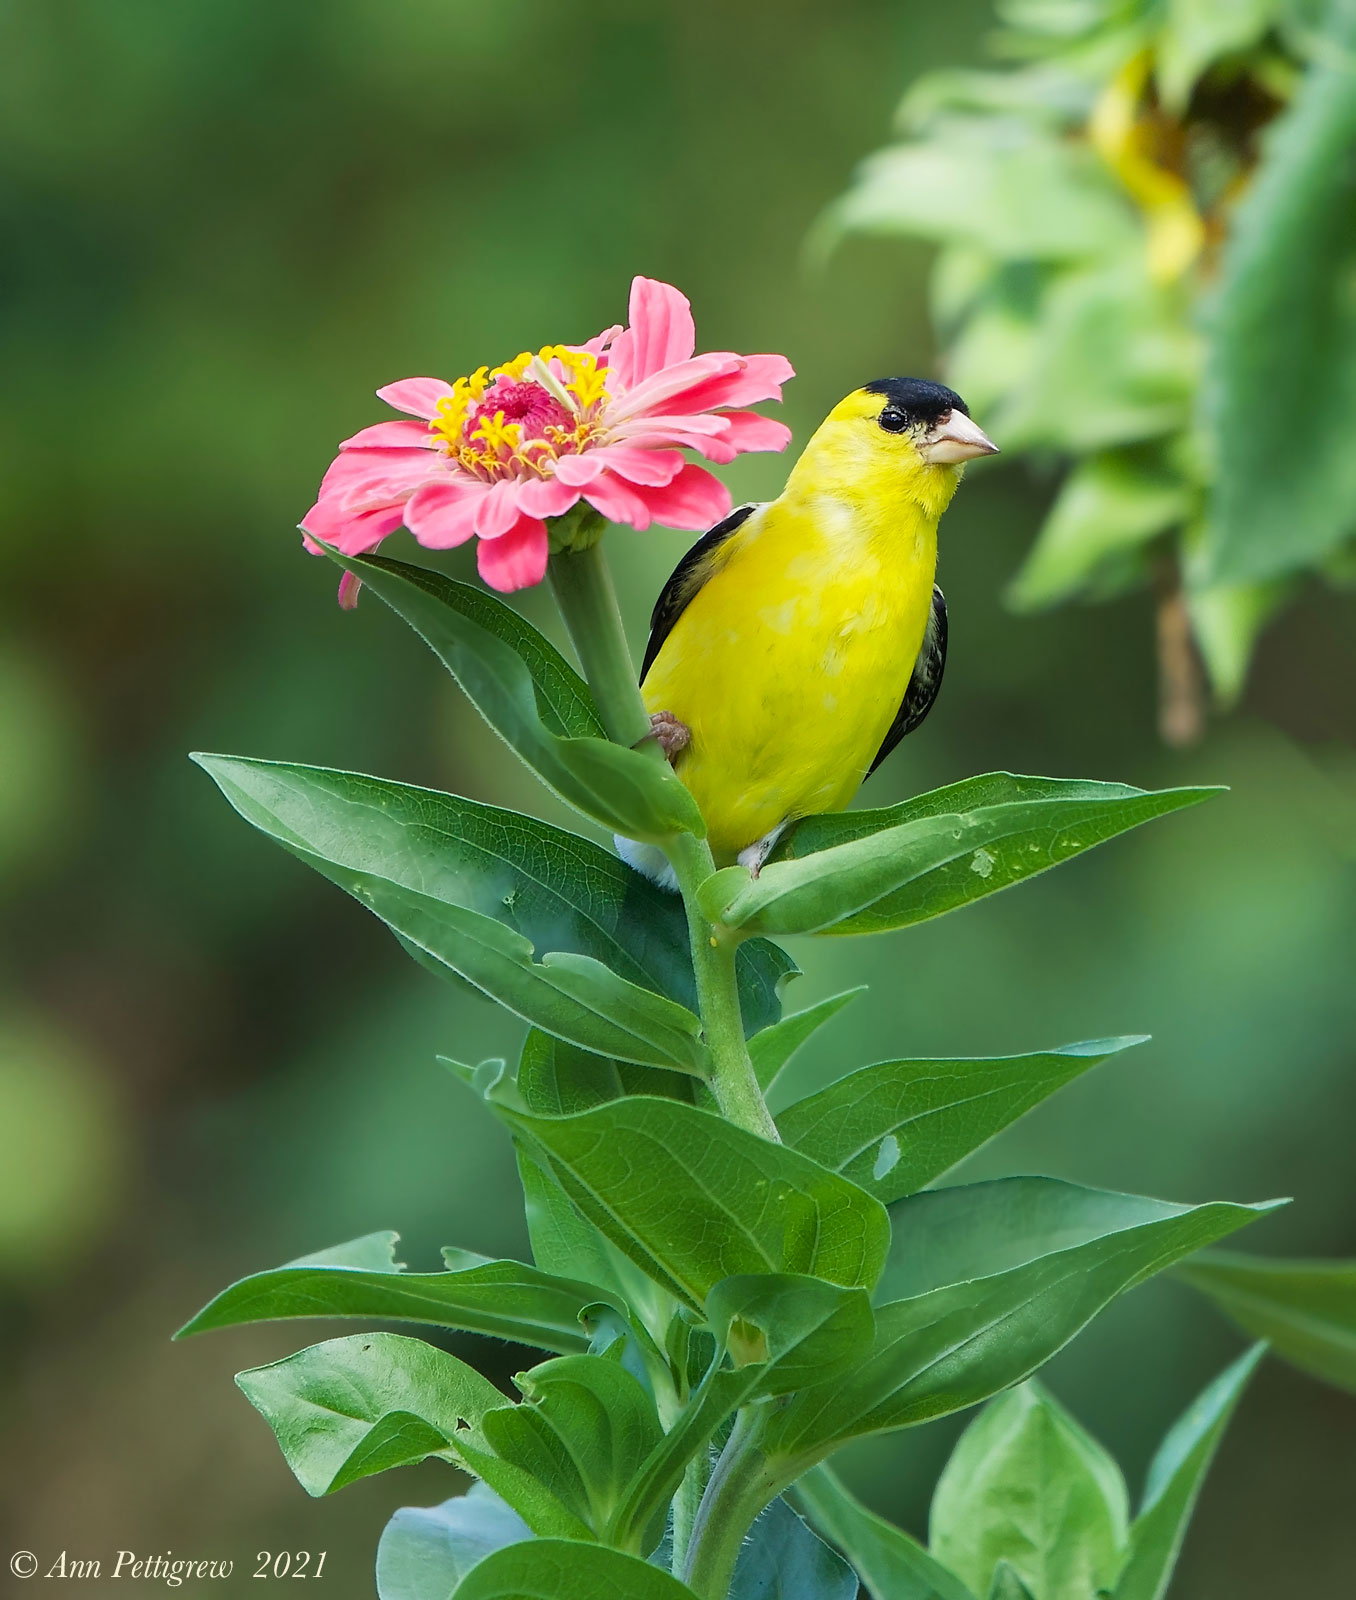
(496, 454)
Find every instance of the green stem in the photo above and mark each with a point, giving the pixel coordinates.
(733, 1080)
(740, 1488)
(696, 1476)
(582, 586)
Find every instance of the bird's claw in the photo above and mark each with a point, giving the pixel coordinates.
(672, 735)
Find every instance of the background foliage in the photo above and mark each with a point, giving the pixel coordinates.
(227, 222)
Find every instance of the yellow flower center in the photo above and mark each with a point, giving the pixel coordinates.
(519, 419)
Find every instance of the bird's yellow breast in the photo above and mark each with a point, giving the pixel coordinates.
(789, 663)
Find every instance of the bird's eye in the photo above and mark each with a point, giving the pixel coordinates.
(893, 420)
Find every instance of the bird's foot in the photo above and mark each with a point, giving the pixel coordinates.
(672, 735)
(754, 855)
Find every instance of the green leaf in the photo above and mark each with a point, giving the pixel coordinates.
(1306, 1310)
(1117, 361)
(1174, 1482)
(475, 889)
(866, 871)
(622, 789)
(1283, 334)
(772, 1049)
(895, 1127)
(504, 1299)
(1027, 1485)
(780, 1331)
(562, 1569)
(1008, 1585)
(559, 890)
(425, 1551)
(976, 1271)
(692, 1199)
(556, 1078)
(584, 1429)
(351, 1407)
(891, 1564)
(1197, 33)
(1226, 621)
(1015, 192)
(1111, 503)
(781, 1559)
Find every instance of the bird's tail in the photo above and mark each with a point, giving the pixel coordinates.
(648, 859)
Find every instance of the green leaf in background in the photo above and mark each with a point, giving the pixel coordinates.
(1306, 1310)
(1174, 1481)
(866, 871)
(425, 1551)
(692, 1199)
(1026, 197)
(781, 1559)
(936, 1352)
(1226, 622)
(1007, 1584)
(891, 1564)
(478, 890)
(351, 1407)
(504, 1299)
(1027, 1485)
(584, 1429)
(897, 1126)
(1110, 505)
(1283, 334)
(1117, 361)
(772, 1049)
(622, 789)
(561, 1569)
(1196, 33)
(561, 891)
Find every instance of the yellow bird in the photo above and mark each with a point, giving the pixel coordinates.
(798, 642)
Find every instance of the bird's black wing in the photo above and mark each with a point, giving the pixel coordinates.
(925, 682)
(685, 580)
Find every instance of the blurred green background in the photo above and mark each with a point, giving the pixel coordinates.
(226, 223)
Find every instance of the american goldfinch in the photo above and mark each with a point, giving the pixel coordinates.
(799, 640)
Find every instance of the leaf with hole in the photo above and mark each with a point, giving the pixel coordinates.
(349, 1408)
(867, 871)
(896, 1126)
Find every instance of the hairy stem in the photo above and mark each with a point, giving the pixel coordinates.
(741, 1487)
(582, 586)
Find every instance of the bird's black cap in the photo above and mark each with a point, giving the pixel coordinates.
(919, 399)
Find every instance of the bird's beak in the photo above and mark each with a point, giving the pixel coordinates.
(955, 438)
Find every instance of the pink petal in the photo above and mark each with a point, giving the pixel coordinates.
(661, 333)
(658, 390)
(545, 497)
(707, 434)
(755, 378)
(418, 396)
(442, 513)
(391, 436)
(596, 346)
(750, 431)
(517, 559)
(349, 586)
(353, 534)
(497, 511)
(618, 501)
(694, 500)
(636, 465)
(352, 470)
